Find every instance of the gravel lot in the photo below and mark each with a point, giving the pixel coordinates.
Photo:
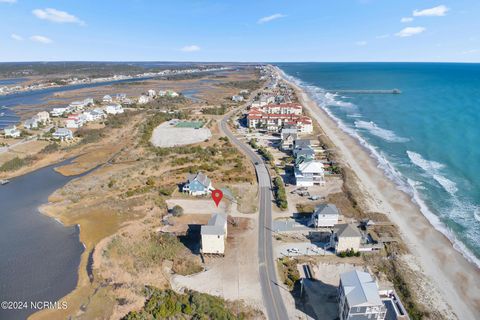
(167, 135)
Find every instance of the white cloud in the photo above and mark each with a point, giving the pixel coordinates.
(57, 16)
(16, 37)
(438, 11)
(8, 1)
(382, 36)
(471, 51)
(190, 48)
(41, 39)
(410, 31)
(406, 19)
(361, 43)
(271, 18)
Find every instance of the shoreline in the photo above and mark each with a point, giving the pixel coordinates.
(454, 277)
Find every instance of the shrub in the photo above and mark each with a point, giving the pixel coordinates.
(280, 194)
(177, 211)
(16, 163)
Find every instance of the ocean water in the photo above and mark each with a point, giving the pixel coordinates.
(426, 139)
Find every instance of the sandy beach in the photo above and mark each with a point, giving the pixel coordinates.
(455, 279)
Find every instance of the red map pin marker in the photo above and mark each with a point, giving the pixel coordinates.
(217, 196)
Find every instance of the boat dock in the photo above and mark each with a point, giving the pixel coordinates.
(390, 91)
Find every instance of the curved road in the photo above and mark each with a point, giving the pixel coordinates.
(268, 278)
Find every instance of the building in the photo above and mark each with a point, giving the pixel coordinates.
(325, 215)
(114, 109)
(58, 112)
(94, 115)
(347, 237)
(43, 117)
(274, 117)
(62, 134)
(107, 99)
(31, 123)
(74, 121)
(287, 141)
(309, 173)
(197, 184)
(172, 94)
(151, 93)
(214, 235)
(12, 132)
(120, 97)
(359, 298)
(143, 99)
(77, 105)
(237, 98)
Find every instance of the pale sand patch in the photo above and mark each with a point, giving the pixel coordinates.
(167, 135)
(457, 280)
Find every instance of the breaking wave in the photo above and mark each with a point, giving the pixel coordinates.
(375, 130)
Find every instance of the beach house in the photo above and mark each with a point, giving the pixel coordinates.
(237, 98)
(143, 99)
(358, 297)
(172, 94)
(31, 123)
(74, 121)
(43, 117)
(12, 132)
(214, 235)
(107, 98)
(309, 173)
(151, 93)
(347, 237)
(324, 216)
(197, 185)
(58, 112)
(114, 109)
(62, 134)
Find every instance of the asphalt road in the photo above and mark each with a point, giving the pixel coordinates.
(268, 278)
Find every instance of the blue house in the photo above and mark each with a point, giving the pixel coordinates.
(197, 185)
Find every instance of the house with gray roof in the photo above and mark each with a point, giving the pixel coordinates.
(197, 184)
(214, 235)
(347, 237)
(359, 298)
(324, 216)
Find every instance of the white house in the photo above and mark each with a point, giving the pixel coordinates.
(309, 173)
(162, 93)
(120, 97)
(77, 105)
(74, 121)
(30, 123)
(237, 98)
(43, 117)
(358, 297)
(107, 98)
(12, 132)
(94, 115)
(62, 134)
(325, 215)
(143, 99)
(114, 109)
(214, 235)
(58, 112)
(151, 93)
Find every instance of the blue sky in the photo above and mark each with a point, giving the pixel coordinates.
(227, 30)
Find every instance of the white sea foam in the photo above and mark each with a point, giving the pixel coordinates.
(427, 165)
(408, 186)
(476, 214)
(375, 130)
(331, 100)
(354, 115)
(433, 169)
